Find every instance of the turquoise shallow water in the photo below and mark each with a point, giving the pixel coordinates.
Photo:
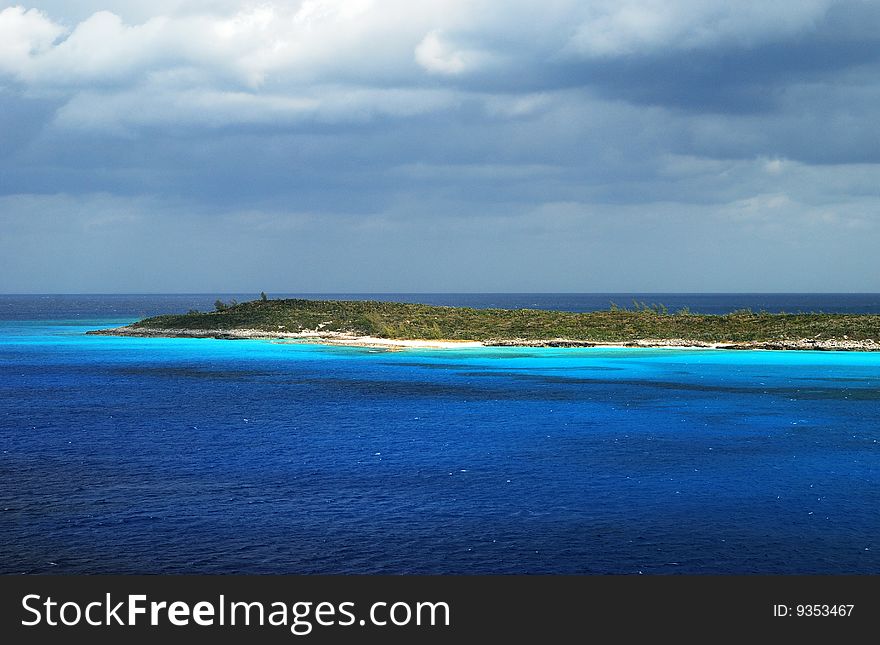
(176, 455)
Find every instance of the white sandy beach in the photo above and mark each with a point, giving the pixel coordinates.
(351, 340)
(387, 343)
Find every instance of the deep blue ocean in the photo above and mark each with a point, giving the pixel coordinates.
(129, 455)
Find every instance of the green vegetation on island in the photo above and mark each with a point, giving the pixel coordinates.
(395, 320)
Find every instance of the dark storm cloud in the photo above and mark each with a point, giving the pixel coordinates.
(744, 79)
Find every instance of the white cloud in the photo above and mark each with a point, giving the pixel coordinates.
(626, 27)
(265, 59)
(24, 35)
(774, 166)
(438, 56)
(120, 111)
(249, 44)
(518, 105)
(388, 38)
(102, 49)
(279, 55)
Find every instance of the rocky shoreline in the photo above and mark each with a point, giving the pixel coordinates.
(339, 338)
(805, 344)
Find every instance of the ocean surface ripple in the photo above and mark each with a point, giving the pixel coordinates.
(131, 455)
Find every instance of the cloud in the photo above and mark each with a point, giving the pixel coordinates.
(638, 27)
(438, 56)
(513, 143)
(249, 45)
(24, 35)
(774, 166)
(636, 51)
(205, 108)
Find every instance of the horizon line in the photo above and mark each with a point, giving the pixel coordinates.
(439, 293)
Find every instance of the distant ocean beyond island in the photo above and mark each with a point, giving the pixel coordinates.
(129, 307)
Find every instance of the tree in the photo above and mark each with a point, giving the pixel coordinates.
(263, 296)
(219, 305)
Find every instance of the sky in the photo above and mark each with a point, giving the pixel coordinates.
(440, 146)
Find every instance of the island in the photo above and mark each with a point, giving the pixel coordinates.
(398, 325)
